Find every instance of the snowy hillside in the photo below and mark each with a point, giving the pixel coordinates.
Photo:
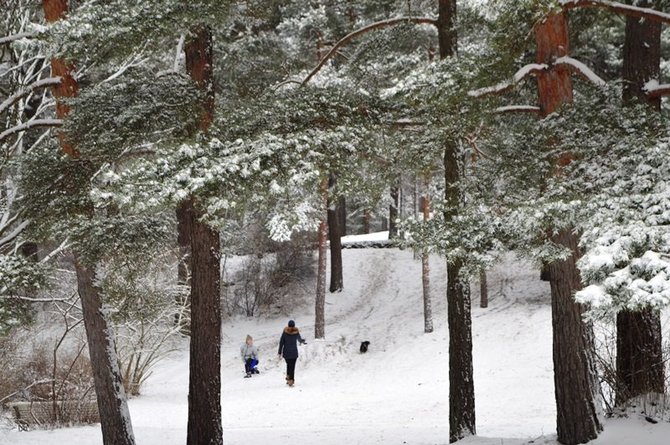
(397, 393)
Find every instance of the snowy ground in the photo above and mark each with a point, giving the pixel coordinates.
(397, 393)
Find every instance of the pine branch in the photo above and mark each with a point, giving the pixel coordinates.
(371, 27)
(619, 8)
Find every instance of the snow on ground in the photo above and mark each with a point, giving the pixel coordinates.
(397, 393)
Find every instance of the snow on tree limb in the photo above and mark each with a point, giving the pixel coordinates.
(42, 83)
(371, 27)
(655, 89)
(533, 69)
(30, 124)
(503, 87)
(619, 8)
(581, 69)
(15, 37)
(518, 109)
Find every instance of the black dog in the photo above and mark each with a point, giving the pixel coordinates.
(364, 347)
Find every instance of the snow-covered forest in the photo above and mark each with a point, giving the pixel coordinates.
(336, 222)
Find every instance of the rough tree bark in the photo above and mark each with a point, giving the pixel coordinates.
(483, 289)
(204, 391)
(334, 235)
(639, 362)
(575, 376)
(114, 416)
(342, 215)
(425, 266)
(459, 318)
(320, 304)
(393, 211)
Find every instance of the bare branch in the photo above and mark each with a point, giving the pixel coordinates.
(42, 83)
(15, 37)
(30, 124)
(619, 8)
(371, 27)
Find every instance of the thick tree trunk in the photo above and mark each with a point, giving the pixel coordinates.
(114, 416)
(461, 378)
(425, 268)
(393, 212)
(575, 377)
(483, 289)
(342, 215)
(204, 397)
(320, 304)
(641, 56)
(204, 391)
(336, 278)
(112, 406)
(639, 363)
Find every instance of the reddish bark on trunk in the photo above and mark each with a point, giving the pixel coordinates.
(320, 304)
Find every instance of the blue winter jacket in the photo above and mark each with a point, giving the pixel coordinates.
(288, 343)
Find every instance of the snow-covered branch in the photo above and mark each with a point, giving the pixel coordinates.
(42, 83)
(503, 87)
(371, 27)
(15, 37)
(30, 124)
(619, 8)
(532, 69)
(581, 69)
(518, 109)
(655, 89)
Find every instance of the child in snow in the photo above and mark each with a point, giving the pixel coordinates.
(288, 348)
(249, 354)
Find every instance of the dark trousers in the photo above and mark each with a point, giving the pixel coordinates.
(247, 365)
(290, 368)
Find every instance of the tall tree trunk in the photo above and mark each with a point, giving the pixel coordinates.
(459, 318)
(575, 377)
(483, 289)
(204, 396)
(320, 304)
(336, 278)
(112, 406)
(204, 390)
(639, 363)
(393, 211)
(425, 267)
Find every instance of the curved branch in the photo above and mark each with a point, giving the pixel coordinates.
(619, 8)
(30, 124)
(43, 83)
(524, 72)
(371, 27)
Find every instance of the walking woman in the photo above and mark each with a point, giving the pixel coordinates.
(288, 348)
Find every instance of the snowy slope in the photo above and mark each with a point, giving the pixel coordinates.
(395, 394)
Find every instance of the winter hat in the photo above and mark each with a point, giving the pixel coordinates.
(291, 324)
